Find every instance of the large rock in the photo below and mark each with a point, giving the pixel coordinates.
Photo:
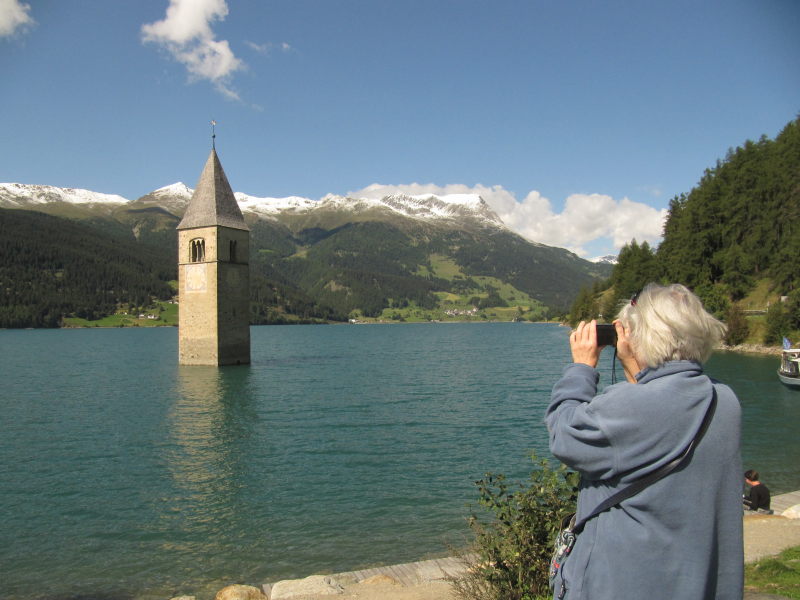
(316, 585)
(240, 592)
(793, 512)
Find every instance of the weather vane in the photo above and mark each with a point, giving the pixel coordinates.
(213, 135)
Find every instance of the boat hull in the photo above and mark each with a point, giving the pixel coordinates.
(790, 381)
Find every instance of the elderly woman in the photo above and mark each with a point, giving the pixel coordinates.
(680, 537)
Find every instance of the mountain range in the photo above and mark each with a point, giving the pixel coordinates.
(339, 256)
(175, 197)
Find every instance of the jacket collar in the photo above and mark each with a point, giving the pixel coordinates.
(669, 368)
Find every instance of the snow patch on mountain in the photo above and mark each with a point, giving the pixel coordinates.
(273, 206)
(175, 197)
(451, 206)
(18, 195)
(423, 207)
(609, 259)
(176, 189)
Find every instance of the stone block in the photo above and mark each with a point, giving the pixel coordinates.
(240, 592)
(316, 585)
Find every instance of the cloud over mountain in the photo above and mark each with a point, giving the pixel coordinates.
(585, 218)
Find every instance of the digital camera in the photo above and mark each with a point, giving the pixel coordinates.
(606, 334)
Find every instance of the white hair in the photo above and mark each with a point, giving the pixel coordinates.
(669, 323)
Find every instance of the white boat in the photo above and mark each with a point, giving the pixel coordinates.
(789, 373)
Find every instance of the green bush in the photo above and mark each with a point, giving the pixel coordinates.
(738, 329)
(778, 324)
(510, 556)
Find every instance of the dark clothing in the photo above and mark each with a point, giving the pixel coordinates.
(758, 498)
(655, 545)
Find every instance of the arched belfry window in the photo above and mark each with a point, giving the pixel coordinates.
(232, 253)
(198, 250)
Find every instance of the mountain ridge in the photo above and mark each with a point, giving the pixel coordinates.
(177, 195)
(340, 256)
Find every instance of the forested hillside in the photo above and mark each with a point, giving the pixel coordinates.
(51, 267)
(327, 266)
(373, 267)
(741, 222)
(736, 231)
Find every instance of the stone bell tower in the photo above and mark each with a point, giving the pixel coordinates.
(213, 275)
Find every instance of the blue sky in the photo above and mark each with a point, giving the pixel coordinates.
(577, 121)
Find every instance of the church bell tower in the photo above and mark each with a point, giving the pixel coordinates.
(213, 275)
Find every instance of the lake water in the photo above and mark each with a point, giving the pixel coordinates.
(123, 475)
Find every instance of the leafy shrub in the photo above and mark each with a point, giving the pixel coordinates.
(738, 329)
(510, 556)
(777, 324)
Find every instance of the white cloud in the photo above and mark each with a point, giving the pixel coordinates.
(267, 47)
(260, 48)
(585, 218)
(186, 33)
(14, 17)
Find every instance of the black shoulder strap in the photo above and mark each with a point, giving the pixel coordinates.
(640, 484)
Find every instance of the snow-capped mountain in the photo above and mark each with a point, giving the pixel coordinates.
(609, 259)
(174, 198)
(17, 195)
(428, 207)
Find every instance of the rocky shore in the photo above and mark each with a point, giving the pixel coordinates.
(764, 535)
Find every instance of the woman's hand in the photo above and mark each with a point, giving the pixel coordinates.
(583, 343)
(625, 354)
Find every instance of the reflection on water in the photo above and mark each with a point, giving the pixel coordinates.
(211, 418)
(209, 423)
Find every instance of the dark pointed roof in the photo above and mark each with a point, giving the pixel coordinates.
(213, 202)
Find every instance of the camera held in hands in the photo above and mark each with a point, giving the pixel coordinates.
(606, 334)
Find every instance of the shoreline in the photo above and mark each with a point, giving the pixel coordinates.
(753, 349)
(764, 536)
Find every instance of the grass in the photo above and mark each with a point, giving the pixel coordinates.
(760, 297)
(166, 313)
(444, 267)
(778, 575)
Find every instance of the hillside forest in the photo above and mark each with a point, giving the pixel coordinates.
(95, 267)
(51, 267)
(734, 239)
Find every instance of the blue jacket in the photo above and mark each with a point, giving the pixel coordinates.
(680, 538)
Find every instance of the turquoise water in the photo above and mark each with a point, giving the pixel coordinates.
(124, 475)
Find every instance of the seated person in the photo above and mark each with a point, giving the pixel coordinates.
(758, 498)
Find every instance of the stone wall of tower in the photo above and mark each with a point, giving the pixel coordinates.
(213, 295)
(233, 307)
